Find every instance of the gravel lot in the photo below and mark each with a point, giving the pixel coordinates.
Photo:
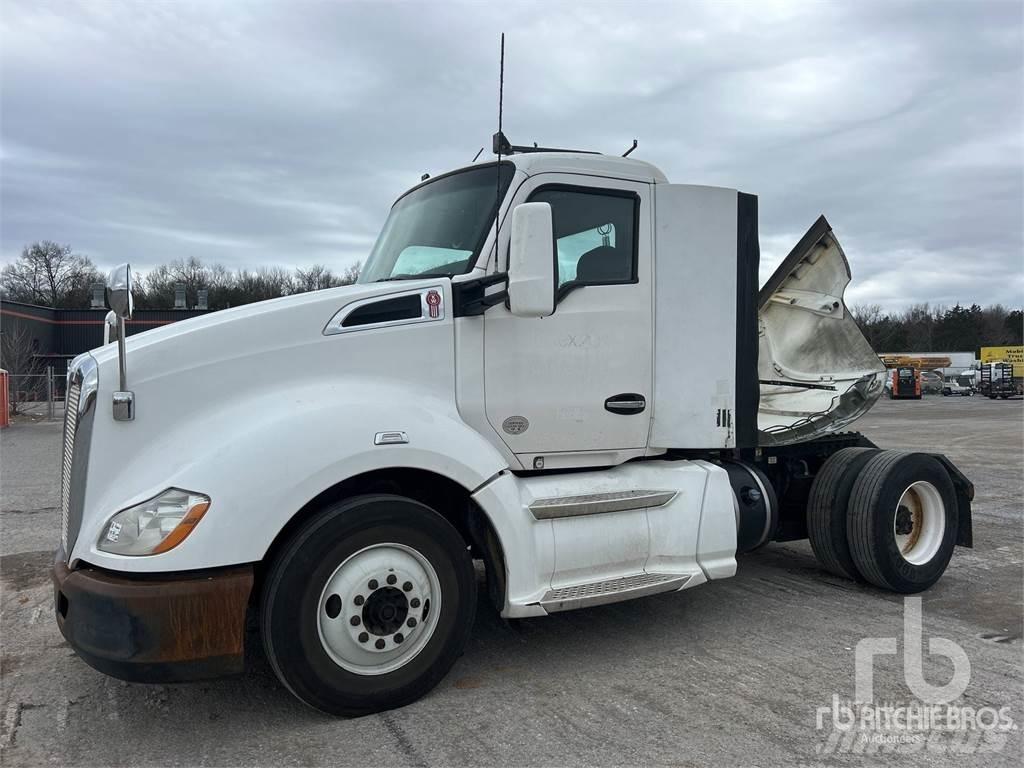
(730, 673)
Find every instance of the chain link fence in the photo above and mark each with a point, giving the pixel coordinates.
(38, 395)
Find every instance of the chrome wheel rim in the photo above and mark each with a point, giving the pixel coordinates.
(379, 609)
(920, 523)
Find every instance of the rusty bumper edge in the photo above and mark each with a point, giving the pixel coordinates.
(155, 627)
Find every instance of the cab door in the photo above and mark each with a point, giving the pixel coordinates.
(574, 388)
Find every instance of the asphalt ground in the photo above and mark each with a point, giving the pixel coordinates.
(730, 673)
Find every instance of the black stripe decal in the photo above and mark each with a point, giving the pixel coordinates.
(748, 256)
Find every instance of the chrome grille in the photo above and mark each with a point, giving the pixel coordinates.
(67, 455)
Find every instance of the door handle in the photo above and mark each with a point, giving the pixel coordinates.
(627, 403)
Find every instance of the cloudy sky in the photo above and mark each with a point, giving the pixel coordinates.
(257, 133)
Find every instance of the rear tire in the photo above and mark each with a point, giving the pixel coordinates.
(339, 626)
(827, 510)
(902, 521)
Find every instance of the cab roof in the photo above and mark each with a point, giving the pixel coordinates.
(581, 162)
(585, 163)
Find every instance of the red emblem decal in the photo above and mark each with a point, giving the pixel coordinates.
(434, 301)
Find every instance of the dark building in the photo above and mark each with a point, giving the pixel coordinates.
(55, 336)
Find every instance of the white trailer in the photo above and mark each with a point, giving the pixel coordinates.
(327, 466)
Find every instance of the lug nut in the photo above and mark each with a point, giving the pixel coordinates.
(359, 600)
(392, 578)
(399, 637)
(415, 602)
(354, 621)
(407, 587)
(380, 645)
(373, 584)
(411, 622)
(363, 637)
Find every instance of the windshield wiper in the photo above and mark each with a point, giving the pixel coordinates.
(448, 270)
(409, 277)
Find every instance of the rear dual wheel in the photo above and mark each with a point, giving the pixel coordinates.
(827, 510)
(886, 517)
(368, 605)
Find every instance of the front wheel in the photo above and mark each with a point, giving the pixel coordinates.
(902, 521)
(368, 605)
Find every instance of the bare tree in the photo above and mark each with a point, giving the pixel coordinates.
(319, 277)
(316, 278)
(351, 273)
(18, 357)
(159, 284)
(262, 284)
(50, 274)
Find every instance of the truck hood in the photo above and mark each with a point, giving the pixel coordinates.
(241, 331)
(817, 372)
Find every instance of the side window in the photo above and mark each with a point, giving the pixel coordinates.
(595, 233)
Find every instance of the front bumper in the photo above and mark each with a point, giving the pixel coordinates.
(154, 628)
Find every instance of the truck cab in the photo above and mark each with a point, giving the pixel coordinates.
(509, 382)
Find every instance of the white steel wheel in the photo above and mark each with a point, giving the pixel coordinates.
(379, 609)
(902, 521)
(352, 615)
(920, 522)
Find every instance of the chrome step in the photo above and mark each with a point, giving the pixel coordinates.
(612, 590)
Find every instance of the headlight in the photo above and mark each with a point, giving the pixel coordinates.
(154, 526)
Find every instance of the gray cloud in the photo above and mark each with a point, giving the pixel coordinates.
(258, 134)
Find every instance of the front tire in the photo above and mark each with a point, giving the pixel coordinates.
(368, 605)
(902, 521)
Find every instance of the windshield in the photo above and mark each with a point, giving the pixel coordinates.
(438, 228)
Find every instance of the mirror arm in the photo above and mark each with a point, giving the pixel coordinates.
(120, 301)
(121, 364)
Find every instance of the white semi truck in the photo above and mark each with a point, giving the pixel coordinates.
(510, 382)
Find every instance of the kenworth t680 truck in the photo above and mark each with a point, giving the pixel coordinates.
(510, 382)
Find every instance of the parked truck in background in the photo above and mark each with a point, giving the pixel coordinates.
(509, 382)
(953, 386)
(1002, 372)
(997, 380)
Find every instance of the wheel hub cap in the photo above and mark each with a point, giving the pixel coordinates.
(384, 613)
(920, 523)
(378, 609)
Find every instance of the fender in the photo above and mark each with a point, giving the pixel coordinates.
(260, 476)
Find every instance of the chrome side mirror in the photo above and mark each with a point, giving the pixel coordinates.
(118, 295)
(118, 292)
(111, 324)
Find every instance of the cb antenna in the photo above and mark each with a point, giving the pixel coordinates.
(498, 142)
